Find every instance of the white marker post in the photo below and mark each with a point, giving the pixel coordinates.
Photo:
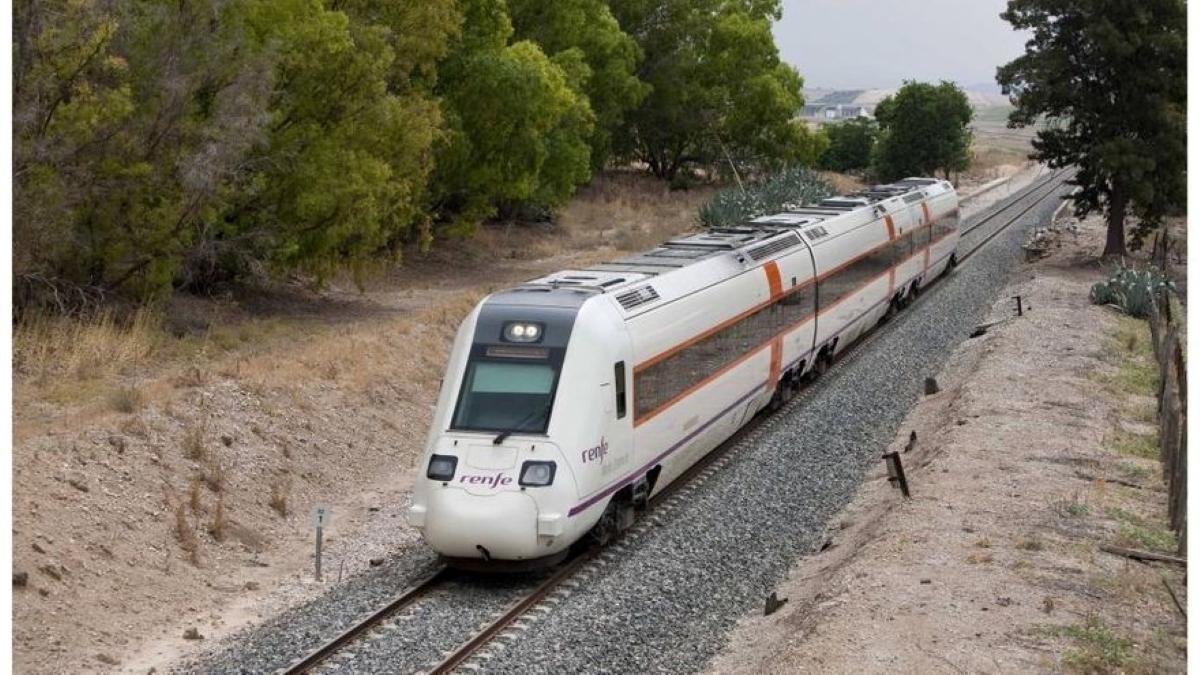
(322, 515)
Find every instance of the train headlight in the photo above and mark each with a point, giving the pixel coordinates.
(536, 474)
(520, 331)
(441, 467)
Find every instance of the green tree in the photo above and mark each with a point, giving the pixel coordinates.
(160, 143)
(517, 128)
(1111, 77)
(850, 145)
(610, 57)
(719, 91)
(923, 130)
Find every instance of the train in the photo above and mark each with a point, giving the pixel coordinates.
(571, 400)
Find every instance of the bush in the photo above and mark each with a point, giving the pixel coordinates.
(790, 187)
(1130, 290)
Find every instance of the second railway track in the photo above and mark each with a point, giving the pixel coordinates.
(981, 230)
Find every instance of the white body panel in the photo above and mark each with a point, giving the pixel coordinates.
(704, 345)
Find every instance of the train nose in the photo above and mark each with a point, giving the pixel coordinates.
(462, 525)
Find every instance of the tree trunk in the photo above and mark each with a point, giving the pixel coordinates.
(1114, 245)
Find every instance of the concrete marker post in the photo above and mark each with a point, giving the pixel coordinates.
(322, 515)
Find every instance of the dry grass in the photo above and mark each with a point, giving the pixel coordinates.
(186, 534)
(126, 400)
(193, 443)
(629, 212)
(990, 162)
(217, 527)
(214, 472)
(843, 183)
(194, 495)
(280, 490)
(46, 347)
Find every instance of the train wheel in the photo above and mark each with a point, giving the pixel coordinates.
(820, 366)
(892, 310)
(777, 399)
(606, 528)
(954, 259)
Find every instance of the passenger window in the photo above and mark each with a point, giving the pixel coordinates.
(619, 379)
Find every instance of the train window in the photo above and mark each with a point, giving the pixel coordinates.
(506, 396)
(661, 383)
(619, 380)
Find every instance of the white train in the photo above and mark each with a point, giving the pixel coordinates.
(570, 400)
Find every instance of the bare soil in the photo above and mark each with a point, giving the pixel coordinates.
(171, 488)
(259, 405)
(1038, 449)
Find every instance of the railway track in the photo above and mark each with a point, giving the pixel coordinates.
(1002, 216)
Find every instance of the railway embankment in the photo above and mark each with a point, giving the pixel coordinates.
(1037, 451)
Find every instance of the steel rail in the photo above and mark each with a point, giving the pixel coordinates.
(1015, 200)
(1055, 182)
(720, 454)
(409, 596)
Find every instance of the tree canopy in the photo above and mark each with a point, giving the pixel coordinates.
(610, 57)
(162, 145)
(1111, 77)
(923, 130)
(718, 88)
(517, 125)
(850, 145)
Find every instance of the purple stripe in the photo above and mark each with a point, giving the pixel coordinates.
(649, 465)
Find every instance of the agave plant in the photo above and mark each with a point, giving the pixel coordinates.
(1131, 290)
(791, 187)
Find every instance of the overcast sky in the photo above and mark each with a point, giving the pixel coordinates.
(866, 44)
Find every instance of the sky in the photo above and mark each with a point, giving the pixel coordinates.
(868, 44)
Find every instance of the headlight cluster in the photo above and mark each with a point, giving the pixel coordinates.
(441, 467)
(536, 474)
(519, 331)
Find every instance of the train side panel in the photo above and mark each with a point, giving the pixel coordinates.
(688, 396)
(853, 283)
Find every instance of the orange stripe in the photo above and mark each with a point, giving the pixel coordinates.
(662, 356)
(721, 326)
(891, 227)
(891, 281)
(690, 390)
(773, 280)
(925, 210)
(638, 421)
(776, 359)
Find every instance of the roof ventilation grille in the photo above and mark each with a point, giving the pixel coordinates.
(637, 296)
(815, 233)
(774, 246)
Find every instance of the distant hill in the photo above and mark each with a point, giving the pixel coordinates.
(980, 95)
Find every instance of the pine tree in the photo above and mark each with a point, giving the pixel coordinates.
(1110, 76)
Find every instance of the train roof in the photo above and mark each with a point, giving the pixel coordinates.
(643, 280)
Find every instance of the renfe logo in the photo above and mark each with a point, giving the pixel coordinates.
(596, 453)
(492, 481)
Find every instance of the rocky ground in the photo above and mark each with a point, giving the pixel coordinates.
(691, 568)
(163, 502)
(170, 494)
(1038, 448)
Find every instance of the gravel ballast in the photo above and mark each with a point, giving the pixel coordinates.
(664, 599)
(668, 602)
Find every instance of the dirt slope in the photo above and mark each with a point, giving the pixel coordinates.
(1037, 449)
(167, 485)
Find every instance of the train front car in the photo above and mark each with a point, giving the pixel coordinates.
(532, 401)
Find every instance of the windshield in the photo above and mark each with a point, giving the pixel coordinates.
(506, 396)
